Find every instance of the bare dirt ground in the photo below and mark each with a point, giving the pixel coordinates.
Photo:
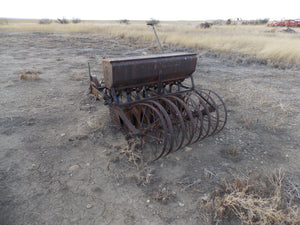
(62, 162)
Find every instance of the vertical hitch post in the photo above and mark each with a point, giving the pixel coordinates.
(150, 23)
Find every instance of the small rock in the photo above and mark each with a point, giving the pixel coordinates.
(224, 164)
(88, 164)
(148, 201)
(188, 149)
(79, 137)
(88, 206)
(205, 198)
(82, 137)
(97, 189)
(74, 167)
(181, 204)
(63, 134)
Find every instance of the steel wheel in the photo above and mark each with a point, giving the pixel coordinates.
(221, 108)
(177, 122)
(154, 131)
(170, 134)
(201, 129)
(213, 112)
(187, 118)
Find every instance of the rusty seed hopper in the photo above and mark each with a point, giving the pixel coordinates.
(149, 99)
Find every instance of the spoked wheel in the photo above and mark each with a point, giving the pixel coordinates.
(187, 116)
(205, 116)
(195, 108)
(125, 119)
(117, 121)
(213, 112)
(177, 122)
(154, 131)
(170, 134)
(221, 108)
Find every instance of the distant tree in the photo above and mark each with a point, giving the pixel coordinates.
(153, 22)
(205, 25)
(62, 21)
(124, 21)
(264, 21)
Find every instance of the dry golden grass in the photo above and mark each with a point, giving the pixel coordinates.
(257, 40)
(259, 199)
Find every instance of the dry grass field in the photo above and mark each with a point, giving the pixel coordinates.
(63, 162)
(268, 44)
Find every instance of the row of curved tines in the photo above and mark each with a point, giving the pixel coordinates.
(170, 121)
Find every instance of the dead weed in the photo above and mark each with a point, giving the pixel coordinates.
(164, 195)
(132, 153)
(146, 177)
(30, 74)
(257, 199)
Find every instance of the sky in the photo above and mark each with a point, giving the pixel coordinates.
(157, 9)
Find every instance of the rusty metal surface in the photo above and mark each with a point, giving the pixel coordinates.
(148, 100)
(136, 72)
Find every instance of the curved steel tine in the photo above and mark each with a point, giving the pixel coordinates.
(221, 108)
(154, 130)
(212, 109)
(177, 121)
(196, 114)
(169, 124)
(187, 117)
(206, 119)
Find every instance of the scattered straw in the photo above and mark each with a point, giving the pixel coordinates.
(259, 199)
(131, 152)
(31, 74)
(164, 195)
